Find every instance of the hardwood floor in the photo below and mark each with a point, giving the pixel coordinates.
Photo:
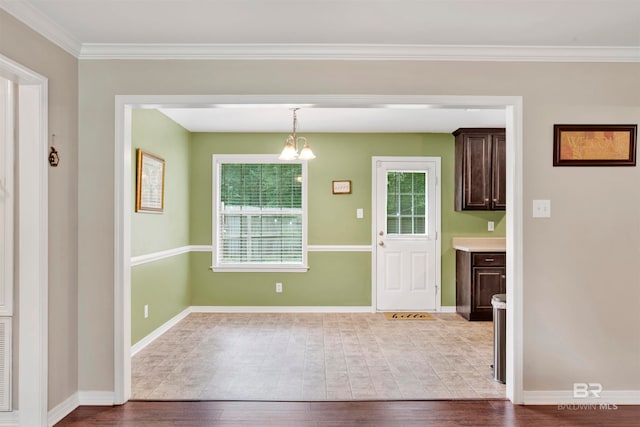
(399, 413)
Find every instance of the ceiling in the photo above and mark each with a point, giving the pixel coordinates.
(539, 30)
(392, 119)
(433, 22)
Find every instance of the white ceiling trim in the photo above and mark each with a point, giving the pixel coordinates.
(42, 24)
(360, 52)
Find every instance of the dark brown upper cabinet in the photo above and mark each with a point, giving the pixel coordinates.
(480, 174)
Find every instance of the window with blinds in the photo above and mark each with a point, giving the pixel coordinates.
(260, 215)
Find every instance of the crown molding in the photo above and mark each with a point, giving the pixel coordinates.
(39, 22)
(25, 12)
(360, 52)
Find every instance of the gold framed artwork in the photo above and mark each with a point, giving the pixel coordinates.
(594, 145)
(149, 183)
(341, 187)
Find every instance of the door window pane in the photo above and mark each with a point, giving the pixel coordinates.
(406, 202)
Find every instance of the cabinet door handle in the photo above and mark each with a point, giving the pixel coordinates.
(486, 200)
(504, 277)
(488, 259)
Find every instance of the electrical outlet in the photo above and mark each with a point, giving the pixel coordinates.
(359, 213)
(490, 226)
(146, 311)
(278, 287)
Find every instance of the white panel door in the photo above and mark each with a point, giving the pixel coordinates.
(407, 252)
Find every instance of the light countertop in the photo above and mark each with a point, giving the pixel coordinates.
(480, 244)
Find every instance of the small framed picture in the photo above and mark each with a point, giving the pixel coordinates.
(149, 183)
(341, 187)
(594, 145)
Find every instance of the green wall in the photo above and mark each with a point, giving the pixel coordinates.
(162, 285)
(154, 132)
(334, 278)
(332, 219)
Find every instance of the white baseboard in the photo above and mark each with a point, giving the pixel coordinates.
(159, 331)
(96, 398)
(565, 397)
(88, 398)
(9, 419)
(448, 309)
(63, 409)
(282, 309)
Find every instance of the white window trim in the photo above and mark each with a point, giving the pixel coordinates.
(217, 160)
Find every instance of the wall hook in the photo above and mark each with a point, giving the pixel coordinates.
(54, 159)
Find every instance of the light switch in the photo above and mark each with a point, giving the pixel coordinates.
(542, 208)
(359, 213)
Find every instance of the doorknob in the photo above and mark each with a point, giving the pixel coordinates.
(381, 243)
(381, 233)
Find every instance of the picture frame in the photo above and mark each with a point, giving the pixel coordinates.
(149, 182)
(594, 145)
(341, 187)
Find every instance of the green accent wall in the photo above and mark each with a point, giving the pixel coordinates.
(155, 133)
(162, 285)
(332, 219)
(334, 278)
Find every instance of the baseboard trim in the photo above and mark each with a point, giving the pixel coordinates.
(10, 419)
(159, 331)
(282, 309)
(448, 309)
(565, 397)
(96, 398)
(63, 409)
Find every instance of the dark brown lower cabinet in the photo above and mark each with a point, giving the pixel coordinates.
(479, 276)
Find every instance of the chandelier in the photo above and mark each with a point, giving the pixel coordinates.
(291, 144)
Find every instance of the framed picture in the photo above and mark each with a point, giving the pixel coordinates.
(341, 187)
(149, 183)
(594, 145)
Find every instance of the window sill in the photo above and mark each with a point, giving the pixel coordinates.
(259, 269)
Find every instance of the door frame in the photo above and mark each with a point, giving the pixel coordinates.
(374, 221)
(32, 278)
(513, 106)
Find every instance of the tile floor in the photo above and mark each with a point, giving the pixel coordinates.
(335, 356)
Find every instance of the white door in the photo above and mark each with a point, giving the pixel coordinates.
(407, 223)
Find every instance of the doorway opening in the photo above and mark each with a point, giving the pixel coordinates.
(124, 106)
